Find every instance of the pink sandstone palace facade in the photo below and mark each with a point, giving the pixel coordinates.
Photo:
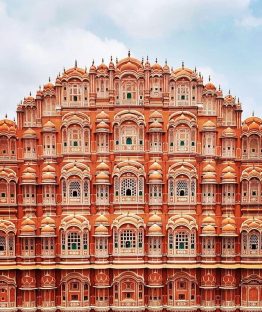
(130, 187)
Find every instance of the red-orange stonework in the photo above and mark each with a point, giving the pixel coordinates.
(130, 187)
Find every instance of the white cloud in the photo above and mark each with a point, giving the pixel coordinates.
(31, 52)
(151, 18)
(249, 21)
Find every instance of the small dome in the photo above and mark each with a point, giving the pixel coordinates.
(156, 114)
(155, 176)
(7, 125)
(48, 220)
(155, 166)
(102, 115)
(101, 230)
(29, 133)
(155, 218)
(209, 230)
(228, 169)
(254, 126)
(245, 127)
(209, 125)
(102, 67)
(155, 230)
(27, 229)
(155, 125)
(210, 87)
(102, 125)
(49, 85)
(156, 67)
(101, 219)
(208, 220)
(102, 167)
(229, 132)
(209, 168)
(102, 177)
(28, 221)
(49, 126)
(228, 220)
(47, 229)
(229, 229)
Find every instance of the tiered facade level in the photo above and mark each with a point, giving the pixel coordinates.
(130, 187)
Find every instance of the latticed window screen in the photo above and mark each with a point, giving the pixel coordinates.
(74, 189)
(128, 187)
(85, 240)
(181, 240)
(244, 240)
(253, 241)
(171, 187)
(73, 241)
(11, 242)
(182, 188)
(128, 239)
(86, 189)
(2, 243)
(140, 239)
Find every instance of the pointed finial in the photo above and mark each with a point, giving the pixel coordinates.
(102, 60)
(14, 119)
(39, 87)
(5, 115)
(219, 88)
(253, 113)
(30, 93)
(142, 61)
(229, 92)
(147, 58)
(172, 68)
(85, 69)
(238, 100)
(49, 79)
(209, 79)
(195, 69)
(156, 59)
(129, 53)
(165, 61)
(183, 64)
(93, 62)
(64, 69)
(116, 60)
(111, 58)
(75, 63)
(59, 74)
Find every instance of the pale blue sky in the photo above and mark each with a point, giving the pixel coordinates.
(222, 38)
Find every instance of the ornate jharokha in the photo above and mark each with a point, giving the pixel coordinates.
(130, 187)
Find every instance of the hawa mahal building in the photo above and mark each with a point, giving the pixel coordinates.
(130, 187)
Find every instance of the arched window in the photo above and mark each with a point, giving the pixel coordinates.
(254, 146)
(181, 190)
(180, 289)
(7, 293)
(182, 139)
(129, 188)
(129, 92)
(7, 244)
(74, 242)
(183, 94)
(251, 243)
(76, 139)
(181, 242)
(128, 291)
(75, 191)
(75, 292)
(128, 240)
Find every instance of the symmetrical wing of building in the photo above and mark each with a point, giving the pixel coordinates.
(130, 187)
